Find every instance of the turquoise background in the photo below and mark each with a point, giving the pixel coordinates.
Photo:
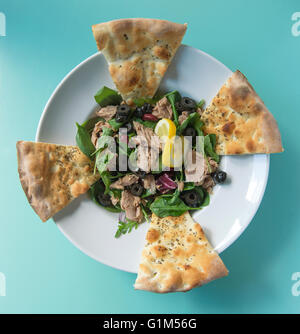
(45, 273)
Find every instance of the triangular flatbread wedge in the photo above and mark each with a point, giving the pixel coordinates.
(138, 52)
(241, 121)
(53, 175)
(177, 256)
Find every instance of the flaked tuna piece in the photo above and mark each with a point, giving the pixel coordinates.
(194, 166)
(148, 147)
(124, 181)
(147, 136)
(107, 112)
(97, 131)
(114, 200)
(149, 183)
(180, 185)
(131, 205)
(163, 109)
(197, 167)
(207, 183)
(183, 117)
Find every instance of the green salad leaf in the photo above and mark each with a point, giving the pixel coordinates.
(103, 159)
(114, 124)
(197, 124)
(210, 145)
(147, 124)
(94, 191)
(174, 97)
(90, 123)
(83, 141)
(126, 227)
(194, 120)
(107, 96)
(141, 101)
(105, 176)
(168, 206)
(201, 103)
(173, 205)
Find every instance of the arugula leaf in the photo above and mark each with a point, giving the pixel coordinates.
(107, 96)
(174, 97)
(209, 146)
(94, 191)
(126, 227)
(83, 141)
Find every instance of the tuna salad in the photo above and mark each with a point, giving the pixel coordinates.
(152, 156)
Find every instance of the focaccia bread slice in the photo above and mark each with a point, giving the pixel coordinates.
(177, 256)
(53, 175)
(241, 121)
(138, 52)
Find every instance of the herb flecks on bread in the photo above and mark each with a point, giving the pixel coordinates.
(138, 52)
(241, 121)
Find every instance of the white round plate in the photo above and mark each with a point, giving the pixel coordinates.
(193, 73)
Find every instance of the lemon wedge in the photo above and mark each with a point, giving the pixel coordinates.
(172, 155)
(165, 129)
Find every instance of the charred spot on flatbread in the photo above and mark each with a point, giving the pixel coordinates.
(240, 120)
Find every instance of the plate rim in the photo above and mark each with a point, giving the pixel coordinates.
(86, 251)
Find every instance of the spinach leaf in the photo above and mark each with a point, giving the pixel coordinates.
(90, 123)
(168, 206)
(107, 131)
(83, 141)
(193, 119)
(209, 146)
(107, 96)
(188, 186)
(114, 124)
(105, 176)
(141, 101)
(197, 125)
(174, 97)
(206, 198)
(94, 191)
(173, 205)
(147, 124)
